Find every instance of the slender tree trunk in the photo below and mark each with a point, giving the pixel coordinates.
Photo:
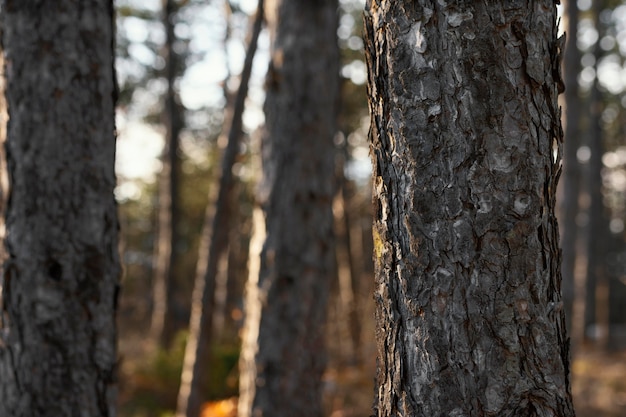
(221, 276)
(597, 228)
(283, 353)
(58, 343)
(346, 269)
(213, 245)
(465, 125)
(162, 326)
(571, 168)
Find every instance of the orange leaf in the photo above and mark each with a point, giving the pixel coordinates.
(223, 408)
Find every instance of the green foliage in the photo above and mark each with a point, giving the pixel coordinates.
(152, 389)
(223, 378)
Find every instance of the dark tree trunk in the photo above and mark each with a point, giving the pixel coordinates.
(571, 168)
(596, 301)
(213, 245)
(162, 326)
(597, 235)
(466, 141)
(283, 354)
(58, 346)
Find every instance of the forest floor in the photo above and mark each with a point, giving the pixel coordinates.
(148, 383)
(599, 384)
(598, 387)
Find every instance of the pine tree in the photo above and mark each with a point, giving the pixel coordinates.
(283, 354)
(60, 282)
(466, 141)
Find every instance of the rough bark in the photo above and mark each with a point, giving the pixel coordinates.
(58, 346)
(569, 207)
(213, 245)
(466, 142)
(283, 353)
(162, 327)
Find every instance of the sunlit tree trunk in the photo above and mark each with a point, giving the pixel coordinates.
(465, 126)
(162, 327)
(283, 354)
(60, 282)
(213, 245)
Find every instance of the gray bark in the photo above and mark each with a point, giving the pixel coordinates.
(213, 245)
(58, 345)
(466, 142)
(569, 207)
(283, 354)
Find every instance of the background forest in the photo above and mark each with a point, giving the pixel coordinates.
(182, 69)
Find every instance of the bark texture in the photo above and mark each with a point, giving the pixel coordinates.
(58, 348)
(283, 354)
(466, 142)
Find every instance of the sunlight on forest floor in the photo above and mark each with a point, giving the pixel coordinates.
(598, 385)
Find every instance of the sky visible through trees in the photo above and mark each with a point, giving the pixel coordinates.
(138, 145)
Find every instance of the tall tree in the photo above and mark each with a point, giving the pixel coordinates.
(596, 310)
(213, 244)
(466, 142)
(58, 346)
(162, 328)
(283, 354)
(569, 207)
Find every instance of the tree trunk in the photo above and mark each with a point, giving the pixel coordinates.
(213, 245)
(466, 142)
(58, 346)
(162, 327)
(571, 168)
(346, 269)
(596, 325)
(283, 354)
